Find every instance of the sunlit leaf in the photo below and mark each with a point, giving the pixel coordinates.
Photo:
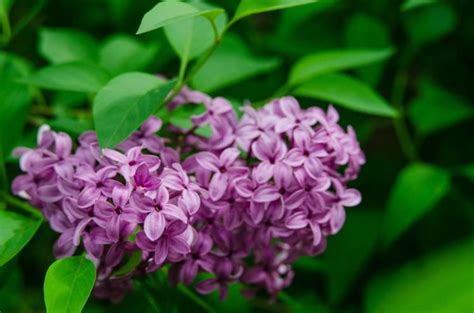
(416, 191)
(438, 283)
(334, 60)
(74, 76)
(123, 53)
(60, 45)
(125, 103)
(435, 109)
(169, 12)
(232, 62)
(249, 7)
(68, 284)
(15, 232)
(346, 91)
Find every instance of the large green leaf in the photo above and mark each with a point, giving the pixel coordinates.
(249, 7)
(15, 232)
(74, 76)
(66, 45)
(347, 92)
(68, 284)
(15, 101)
(435, 109)
(439, 283)
(364, 32)
(417, 190)
(125, 103)
(429, 23)
(334, 60)
(122, 53)
(191, 37)
(232, 62)
(169, 12)
(355, 242)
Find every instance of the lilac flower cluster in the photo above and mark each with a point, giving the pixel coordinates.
(242, 205)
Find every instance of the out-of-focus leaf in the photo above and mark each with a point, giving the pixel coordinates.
(11, 287)
(346, 91)
(334, 60)
(15, 232)
(74, 76)
(363, 32)
(60, 45)
(249, 7)
(15, 101)
(413, 4)
(191, 37)
(71, 125)
(294, 17)
(232, 62)
(169, 12)
(125, 103)
(234, 303)
(122, 53)
(417, 190)
(355, 242)
(68, 284)
(439, 283)
(307, 303)
(181, 117)
(435, 109)
(429, 23)
(468, 171)
(310, 264)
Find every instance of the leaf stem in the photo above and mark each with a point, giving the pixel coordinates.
(5, 22)
(22, 205)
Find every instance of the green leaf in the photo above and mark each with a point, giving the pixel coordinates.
(436, 109)
(125, 103)
(15, 101)
(72, 126)
(122, 53)
(468, 171)
(181, 117)
(417, 190)
(193, 36)
(413, 4)
(249, 7)
(61, 45)
(130, 265)
(169, 12)
(439, 283)
(348, 92)
(232, 62)
(367, 32)
(68, 284)
(355, 242)
(334, 60)
(15, 232)
(74, 76)
(430, 23)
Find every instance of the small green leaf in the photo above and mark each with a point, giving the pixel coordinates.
(60, 45)
(75, 76)
(130, 265)
(15, 101)
(193, 36)
(439, 283)
(15, 232)
(334, 60)
(232, 62)
(249, 7)
(348, 92)
(417, 190)
(413, 4)
(430, 23)
(435, 109)
(68, 284)
(169, 12)
(122, 53)
(125, 103)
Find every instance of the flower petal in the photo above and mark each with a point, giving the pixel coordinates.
(154, 225)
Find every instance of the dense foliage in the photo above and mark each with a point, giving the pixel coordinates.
(398, 74)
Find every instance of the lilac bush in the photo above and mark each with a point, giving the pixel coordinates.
(242, 204)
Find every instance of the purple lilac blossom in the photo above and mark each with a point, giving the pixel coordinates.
(242, 205)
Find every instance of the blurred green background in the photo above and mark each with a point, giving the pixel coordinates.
(407, 248)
